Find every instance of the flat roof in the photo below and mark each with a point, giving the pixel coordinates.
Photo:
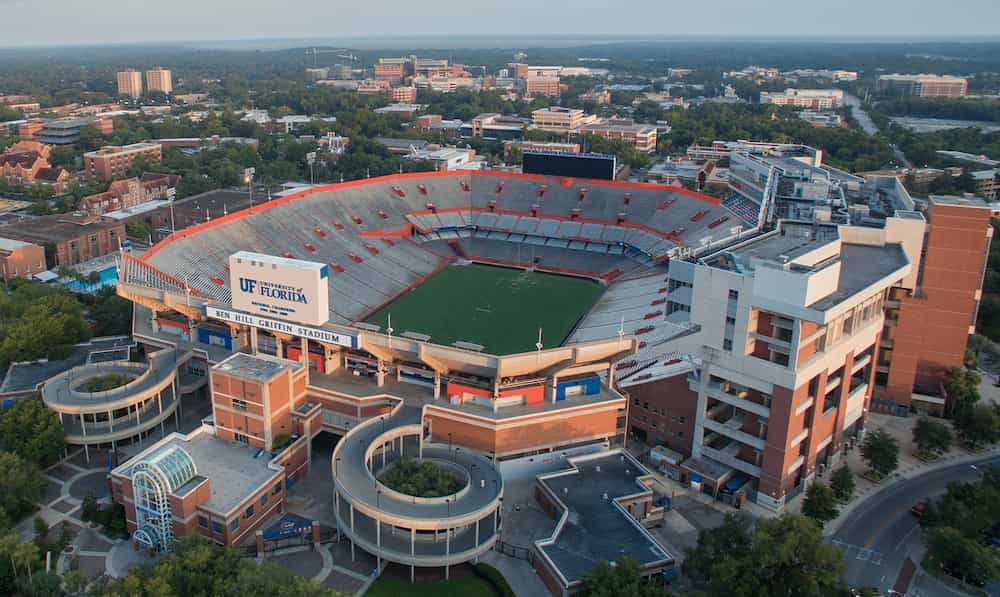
(259, 367)
(233, 469)
(595, 528)
(863, 266)
(27, 376)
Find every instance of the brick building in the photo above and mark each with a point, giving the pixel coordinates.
(128, 193)
(112, 162)
(129, 83)
(547, 86)
(75, 238)
(19, 259)
(159, 79)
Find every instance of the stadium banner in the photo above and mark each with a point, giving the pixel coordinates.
(264, 323)
(280, 287)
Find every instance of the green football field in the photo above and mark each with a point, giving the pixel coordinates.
(498, 307)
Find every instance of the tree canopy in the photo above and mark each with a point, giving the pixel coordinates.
(39, 321)
(198, 568)
(782, 556)
(881, 451)
(624, 578)
(32, 431)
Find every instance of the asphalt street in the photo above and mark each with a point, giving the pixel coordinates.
(882, 533)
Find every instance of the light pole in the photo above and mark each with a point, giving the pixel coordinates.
(311, 159)
(248, 180)
(171, 194)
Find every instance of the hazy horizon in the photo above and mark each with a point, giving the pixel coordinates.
(187, 22)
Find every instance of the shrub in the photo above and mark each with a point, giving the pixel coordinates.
(495, 578)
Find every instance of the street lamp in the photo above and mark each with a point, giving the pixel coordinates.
(248, 180)
(378, 501)
(336, 467)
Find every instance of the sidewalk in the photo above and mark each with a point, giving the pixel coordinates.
(865, 489)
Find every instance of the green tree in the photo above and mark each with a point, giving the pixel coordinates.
(21, 485)
(735, 534)
(978, 425)
(139, 230)
(624, 578)
(112, 314)
(41, 528)
(32, 431)
(842, 483)
(962, 387)
(881, 451)
(962, 557)
(932, 437)
(75, 583)
(199, 568)
(820, 503)
(786, 556)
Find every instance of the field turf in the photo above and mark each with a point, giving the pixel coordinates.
(498, 307)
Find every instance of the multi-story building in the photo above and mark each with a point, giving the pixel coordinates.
(599, 96)
(370, 86)
(26, 163)
(128, 193)
(542, 85)
(642, 136)
(517, 70)
(75, 238)
(492, 125)
(403, 95)
(549, 146)
(814, 99)
(987, 183)
(928, 322)
(108, 163)
(389, 71)
(775, 365)
(159, 79)
(130, 83)
(66, 131)
(924, 85)
(560, 119)
(19, 259)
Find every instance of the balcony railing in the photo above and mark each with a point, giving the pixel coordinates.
(734, 432)
(739, 401)
(730, 460)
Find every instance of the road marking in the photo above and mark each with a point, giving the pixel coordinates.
(906, 537)
(878, 531)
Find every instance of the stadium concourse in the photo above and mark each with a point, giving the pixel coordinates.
(286, 307)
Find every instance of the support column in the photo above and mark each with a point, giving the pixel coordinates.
(305, 353)
(83, 430)
(378, 542)
(352, 532)
(159, 410)
(253, 340)
(380, 373)
(111, 421)
(437, 385)
(447, 552)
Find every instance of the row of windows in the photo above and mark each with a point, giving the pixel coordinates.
(234, 524)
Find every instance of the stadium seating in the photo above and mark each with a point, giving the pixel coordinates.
(586, 227)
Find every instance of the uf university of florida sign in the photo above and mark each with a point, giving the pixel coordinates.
(288, 289)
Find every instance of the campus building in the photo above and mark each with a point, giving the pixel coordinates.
(74, 238)
(559, 119)
(129, 83)
(924, 85)
(159, 79)
(108, 163)
(813, 99)
(129, 193)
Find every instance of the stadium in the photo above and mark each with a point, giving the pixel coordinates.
(469, 317)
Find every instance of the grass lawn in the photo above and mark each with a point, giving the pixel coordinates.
(465, 586)
(498, 307)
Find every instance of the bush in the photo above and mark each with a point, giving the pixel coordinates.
(111, 519)
(108, 381)
(280, 442)
(41, 527)
(495, 578)
(842, 483)
(420, 479)
(881, 451)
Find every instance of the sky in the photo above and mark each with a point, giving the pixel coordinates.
(73, 22)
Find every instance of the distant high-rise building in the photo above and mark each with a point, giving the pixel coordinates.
(159, 79)
(130, 83)
(925, 85)
(548, 86)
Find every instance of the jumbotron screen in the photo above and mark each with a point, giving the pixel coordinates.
(575, 165)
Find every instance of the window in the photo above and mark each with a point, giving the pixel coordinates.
(727, 344)
(277, 488)
(730, 321)
(241, 437)
(680, 434)
(234, 524)
(202, 522)
(734, 295)
(239, 404)
(645, 405)
(682, 419)
(249, 512)
(263, 500)
(216, 527)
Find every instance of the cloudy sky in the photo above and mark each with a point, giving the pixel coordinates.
(62, 22)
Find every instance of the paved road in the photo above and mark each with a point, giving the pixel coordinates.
(867, 124)
(882, 533)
